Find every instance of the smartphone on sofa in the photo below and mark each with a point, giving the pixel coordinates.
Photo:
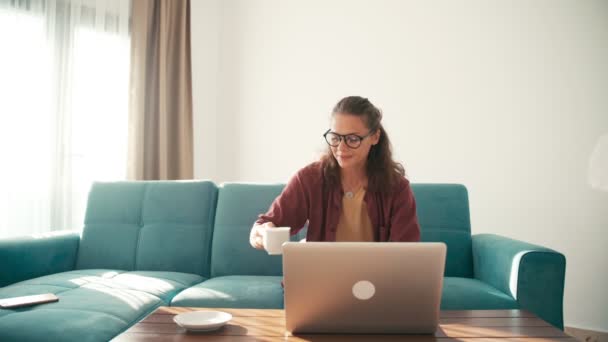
(15, 302)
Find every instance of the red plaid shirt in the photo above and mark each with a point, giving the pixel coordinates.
(393, 214)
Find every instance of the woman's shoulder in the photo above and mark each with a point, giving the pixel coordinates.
(308, 177)
(401, 184)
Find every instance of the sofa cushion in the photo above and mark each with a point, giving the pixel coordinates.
(151, 226)
(60, 325)
(4, 312)
(472, 294)
(93, 304)
(163, 285)
(260, 292)
(124, 304)
(443, 213)
(238, 206)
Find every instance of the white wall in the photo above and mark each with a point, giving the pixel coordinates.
(509, 98)
(205, 50)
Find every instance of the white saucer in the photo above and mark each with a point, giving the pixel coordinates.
(202, 320)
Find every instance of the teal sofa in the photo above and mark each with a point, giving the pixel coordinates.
(149, 244)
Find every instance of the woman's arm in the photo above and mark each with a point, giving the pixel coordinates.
(289, 209)
(404, 221)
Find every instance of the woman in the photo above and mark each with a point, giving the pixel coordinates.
(356, 192)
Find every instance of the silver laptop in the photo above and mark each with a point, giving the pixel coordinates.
(363, 287)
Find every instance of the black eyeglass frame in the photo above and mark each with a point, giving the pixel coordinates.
(343, 138)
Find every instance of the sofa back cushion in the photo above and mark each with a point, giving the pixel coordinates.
(149, 226)
(443, 213)
(238, 206)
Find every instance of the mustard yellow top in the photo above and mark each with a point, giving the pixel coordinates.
(354, 223)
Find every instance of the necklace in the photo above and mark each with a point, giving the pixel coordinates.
(353, 190)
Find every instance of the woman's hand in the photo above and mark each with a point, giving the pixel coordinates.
(256, 236)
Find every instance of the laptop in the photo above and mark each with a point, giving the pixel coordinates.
(363, 287)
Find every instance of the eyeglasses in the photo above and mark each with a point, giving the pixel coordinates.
(352, 140)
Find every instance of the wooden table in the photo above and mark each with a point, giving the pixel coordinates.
(269, 325)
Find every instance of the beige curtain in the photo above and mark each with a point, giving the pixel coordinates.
(160, 103)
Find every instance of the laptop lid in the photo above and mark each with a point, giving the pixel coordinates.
(363, 287)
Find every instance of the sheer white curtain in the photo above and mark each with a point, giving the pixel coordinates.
(64, 82)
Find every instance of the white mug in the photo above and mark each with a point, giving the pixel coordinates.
(274, 238)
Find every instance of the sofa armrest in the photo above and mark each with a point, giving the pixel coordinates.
(30, 257)
(531, 274)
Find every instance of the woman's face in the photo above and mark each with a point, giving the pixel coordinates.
(348, 157)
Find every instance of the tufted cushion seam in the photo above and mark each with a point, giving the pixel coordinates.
(140, 225)
(210, 224)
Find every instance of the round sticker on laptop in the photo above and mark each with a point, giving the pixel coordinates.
(364, 290)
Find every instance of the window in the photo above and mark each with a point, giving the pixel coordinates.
(64, 80)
